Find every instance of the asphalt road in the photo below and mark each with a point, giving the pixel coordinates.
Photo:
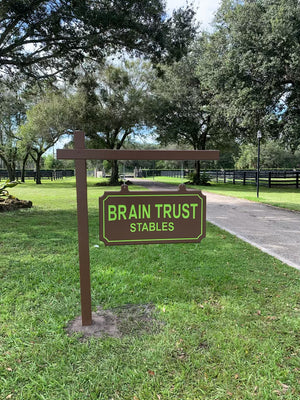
(275, 231)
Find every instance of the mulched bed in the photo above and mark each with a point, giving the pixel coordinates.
(12, 204)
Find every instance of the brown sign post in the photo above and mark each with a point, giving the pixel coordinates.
(80, 155)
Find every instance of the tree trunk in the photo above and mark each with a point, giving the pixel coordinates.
(201, 145)
(38, 169)
(24, 167)
(11, 169)
(196, 177)
(114, 178)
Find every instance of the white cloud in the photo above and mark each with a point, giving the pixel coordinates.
(205, 9)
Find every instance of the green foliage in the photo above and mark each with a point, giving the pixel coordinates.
(185, 106)
(12, 113)
(7, 184)
(110, 105)
(47, 121)
(272, 155)
(255, 68)
(44, 38)
(203, 180)
(248, 157)
(52, 163)
(181, 105)
(275, 156)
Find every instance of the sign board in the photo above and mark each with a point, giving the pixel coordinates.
(138, 217)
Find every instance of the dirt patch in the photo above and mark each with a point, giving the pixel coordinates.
(9, 204)
(117, 322)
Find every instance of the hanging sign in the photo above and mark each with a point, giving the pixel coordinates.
(184, 224)
(137, 217)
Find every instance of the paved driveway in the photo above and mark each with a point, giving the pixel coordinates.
(273, 230)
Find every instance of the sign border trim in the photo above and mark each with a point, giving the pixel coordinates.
(118, 194)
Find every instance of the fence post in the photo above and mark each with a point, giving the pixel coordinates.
(270, 179)
(224, 176)
(244, 178)
(217, 177)
(233, 179)
(297, 180)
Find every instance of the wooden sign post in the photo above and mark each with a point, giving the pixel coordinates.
(80, 154)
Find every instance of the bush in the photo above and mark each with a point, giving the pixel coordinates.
(7, 184)
(202, 180)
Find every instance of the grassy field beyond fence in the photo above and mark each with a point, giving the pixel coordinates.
(227, 314)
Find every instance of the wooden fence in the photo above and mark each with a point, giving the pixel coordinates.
(269, 178)
(266, 178)
(45, 174)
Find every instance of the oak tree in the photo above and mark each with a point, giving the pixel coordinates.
(46, 123)
(110, 106)
(255, 66)
(41, 38)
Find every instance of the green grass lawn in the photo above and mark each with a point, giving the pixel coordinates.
(228, 314)
(279, 197)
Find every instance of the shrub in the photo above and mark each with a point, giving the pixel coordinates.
(203, 179)
(7, 184)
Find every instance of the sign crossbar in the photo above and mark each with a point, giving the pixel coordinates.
(106, 154)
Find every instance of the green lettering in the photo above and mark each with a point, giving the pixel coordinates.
(132, 212)
(164, 226)
(132, 228)
(158, 206)
(194, 205)
(112, 214)
(157, 227)
(167, 210)
(176, 215)
(145, 227)
(146, 211)
(171, 226)
(151, 226)
(122, 212)
(185, 211)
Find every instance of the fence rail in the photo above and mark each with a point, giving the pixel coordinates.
(45, 174)
(266, 178)
(269, 178)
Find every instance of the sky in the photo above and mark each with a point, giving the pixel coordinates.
(205, 9)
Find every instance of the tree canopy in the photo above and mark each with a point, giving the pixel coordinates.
(12, 114)
(256, 64)
(221, 86)
(46, 122)
(44, 37)
(184, 106)
(110, 105)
